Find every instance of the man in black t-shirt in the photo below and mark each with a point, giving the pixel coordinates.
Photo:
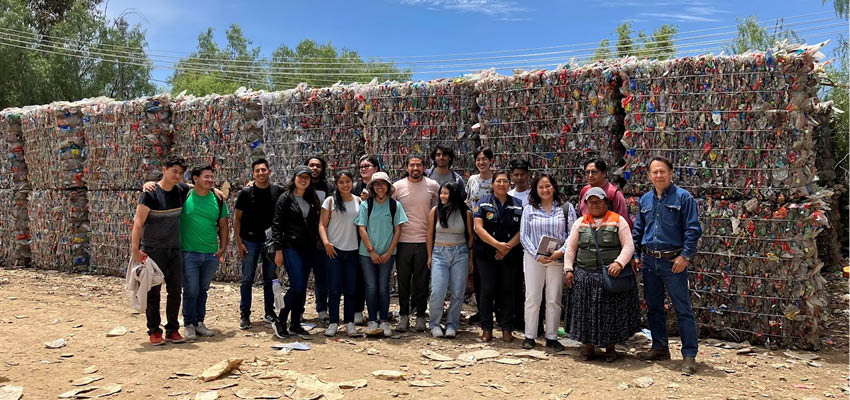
(318, 181)
(156, 234)
(254, 213)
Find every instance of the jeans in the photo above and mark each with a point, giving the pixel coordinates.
(377, 279)
(342, 278)
(412, 264)
(298, 264)
(657, 276)
(198, 271)
(320, 280)
(498, 288)
(249, 272)
(170, 262)
(449, 270)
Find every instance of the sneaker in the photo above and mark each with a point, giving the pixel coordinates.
(437, 332)
(403, 323)
(269, 318)
(372, 329)
(279, 327)
(331, 331)
(475, 318)
(174, 337)
(156, 339)
(554, 344)
(202, 330)
(358, 318)
(297, 329)
(420, 324)
(191, 334)
(324, 316)
(528, 344)
(387, 330)
(351, 330)
(245, 323)
(451, 333)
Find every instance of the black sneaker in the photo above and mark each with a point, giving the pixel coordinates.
(269, 318)
(475, 318)
(296, 329)
(245, 323)
(554, 345)
(528, 344)
(280, 331)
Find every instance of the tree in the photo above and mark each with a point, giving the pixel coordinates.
(625, 44)
(752, 36)
(660, 45)
(604, 51)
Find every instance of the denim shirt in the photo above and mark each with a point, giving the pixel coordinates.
(668, 223)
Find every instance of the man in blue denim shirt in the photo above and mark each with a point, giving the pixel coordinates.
(665, 234)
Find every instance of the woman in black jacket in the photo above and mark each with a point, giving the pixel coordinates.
(295, 230)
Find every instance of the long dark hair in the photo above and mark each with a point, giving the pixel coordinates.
(309, 194)
(456, 203)
(338, 202)
(534, 198)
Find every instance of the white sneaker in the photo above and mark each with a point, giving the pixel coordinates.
(437, 332)
(420, 324)
(351, 329)
(358, 318)
(189, 332)
(451, 333)
(202, 330)
(324, 316)
(387, 330)
(331, 331)
(371, 326)
(403, 323)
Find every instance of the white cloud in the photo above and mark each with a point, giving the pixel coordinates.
(679, 17)
(678, 11)
(501, 9)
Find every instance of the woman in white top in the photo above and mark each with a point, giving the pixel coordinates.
(339, 237)
(480, 184)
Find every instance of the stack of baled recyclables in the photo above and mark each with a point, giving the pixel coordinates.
(14, 192)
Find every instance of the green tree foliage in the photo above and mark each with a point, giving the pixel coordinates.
(660, 45)
(39, 68)
(752, 36)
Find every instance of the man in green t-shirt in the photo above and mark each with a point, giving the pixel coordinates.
(203, 240)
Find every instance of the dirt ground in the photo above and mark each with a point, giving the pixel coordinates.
(43, 306)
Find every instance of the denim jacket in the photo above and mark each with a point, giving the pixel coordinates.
(668, 223)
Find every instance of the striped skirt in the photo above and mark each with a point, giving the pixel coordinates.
(599, 317)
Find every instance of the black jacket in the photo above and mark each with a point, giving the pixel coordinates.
(289, 229)
(501, 227)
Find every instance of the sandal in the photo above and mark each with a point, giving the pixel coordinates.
(587, 352)
(611, 355)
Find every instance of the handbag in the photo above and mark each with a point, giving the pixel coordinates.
(623, 282)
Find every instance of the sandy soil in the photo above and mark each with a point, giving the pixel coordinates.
(43, 306)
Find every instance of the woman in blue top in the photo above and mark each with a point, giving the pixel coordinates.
(544, 216)
(379, 223)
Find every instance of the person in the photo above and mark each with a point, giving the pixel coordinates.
(417, 195)
(339, 238)
(520, 178)
(498, 255)
(479, 185)
(368, 166)
(295, 232)
(204, 234)
(600, 317)
(379, 222)
(665, 234)
(156, 234)
(595, 171)
(543, 216)
(253, 214)
(318, 169)
(443, 156)
(449, 240)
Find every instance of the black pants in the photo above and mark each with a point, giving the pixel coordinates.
(476, 284)
(497, 287)
(170, 262)
(414, 278)
(518, 283)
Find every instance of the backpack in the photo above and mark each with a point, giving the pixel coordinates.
(371, 202)
(218, 201)
(357, 202)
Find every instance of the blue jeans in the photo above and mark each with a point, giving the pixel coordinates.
(657, 276)
(198, 271)
(249, 272)
(449, 269)
(297, 265)
(377, 280)
(320, 281)
(342, 279)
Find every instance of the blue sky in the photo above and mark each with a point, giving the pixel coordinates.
(458, 28)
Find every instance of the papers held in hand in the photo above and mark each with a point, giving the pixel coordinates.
(548, 245)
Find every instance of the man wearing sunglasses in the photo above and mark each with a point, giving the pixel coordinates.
(595, 171)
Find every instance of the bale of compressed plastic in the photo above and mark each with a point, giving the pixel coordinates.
(111, 218)
(59, 226)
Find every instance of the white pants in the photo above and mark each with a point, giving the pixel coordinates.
(536, 274)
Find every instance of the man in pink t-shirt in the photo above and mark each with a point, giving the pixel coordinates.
(417, 195)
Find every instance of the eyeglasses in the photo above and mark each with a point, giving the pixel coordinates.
(367, 166)
(591, 172)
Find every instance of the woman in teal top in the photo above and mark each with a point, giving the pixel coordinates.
(379, 223)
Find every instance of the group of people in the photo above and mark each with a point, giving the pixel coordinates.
(514, 233)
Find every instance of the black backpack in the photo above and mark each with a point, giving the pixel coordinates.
(371, 202)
